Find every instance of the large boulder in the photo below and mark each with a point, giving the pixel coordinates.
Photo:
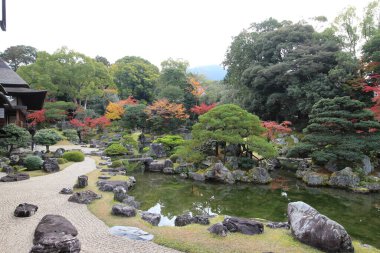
(152, 218)
(160, 165)
(317, 230)
(14, 159)
(55, 233)
(130, 201)
(109, 185)
(183, 220)
(82, 181)
(220, 173)
(15, 177)
(244, 226)
(50, 165)
(185, 168)
(315, 179)
(58, 153)
(218, 229)
(260, 175)
(84, 197)
(345, 178)
(25, 210)
(122, 210)
(119, 193)
(197, 176)
(7, 169)
(367, 165)
(157, 150)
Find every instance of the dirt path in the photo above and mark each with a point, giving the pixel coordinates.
(16, 234)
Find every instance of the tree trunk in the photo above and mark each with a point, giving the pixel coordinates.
(85, 104)
(47, 149)
(216, 149)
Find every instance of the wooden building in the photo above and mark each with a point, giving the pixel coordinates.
(16, 97)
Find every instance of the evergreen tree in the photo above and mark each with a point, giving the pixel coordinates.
(341, 131)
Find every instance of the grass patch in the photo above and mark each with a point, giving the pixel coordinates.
(38, 173)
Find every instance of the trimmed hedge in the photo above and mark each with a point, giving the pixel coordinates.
(62, 161)
(73, 156)
(71, 135)
(116, 149)
(33, 162)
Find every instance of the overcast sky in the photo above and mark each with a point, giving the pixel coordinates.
(199, 31)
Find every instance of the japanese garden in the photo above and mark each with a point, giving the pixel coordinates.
(282, 154)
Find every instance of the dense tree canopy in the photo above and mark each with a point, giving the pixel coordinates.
(282, 69)
(20, 55)
(135, 76)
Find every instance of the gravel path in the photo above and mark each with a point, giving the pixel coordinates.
(16, 234)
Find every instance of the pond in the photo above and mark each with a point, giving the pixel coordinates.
(171, 196)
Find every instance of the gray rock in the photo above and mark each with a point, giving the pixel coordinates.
(367, 165)
(159, 165)
(278, 225)
(8, 169)
(315, 179)
(59, 153)
(157, 150)
(82, 181)
(295, 139)
(232, 162)
(185, 168)
(239, 175)
(168, 170)
(270, 164)
(103, 177)
(84, 197)
(66, 191)
(317, 230)
(25, 210)
(131, 233)
(152, 218)
(220, 173)
(14, 159)
(50, 165)
(197, 176)
(38, 153)
(122, 210)
(120, 193)
(130, 201)
(55, 233)
(200, 219)
(260, 175)
(183, 175)
(344, 178)
(244, 226)
(280, 141)
(218, 229)
(183, 220)
(15, 177)
(109, 185)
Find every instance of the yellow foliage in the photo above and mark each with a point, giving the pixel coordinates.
(167, 110)
(114, 111)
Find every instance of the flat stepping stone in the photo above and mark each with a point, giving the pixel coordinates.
(66, 190)
(15, 177)
(25, 210)
(132, 233)
(84, 197)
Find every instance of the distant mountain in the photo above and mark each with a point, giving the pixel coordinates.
(211, 72)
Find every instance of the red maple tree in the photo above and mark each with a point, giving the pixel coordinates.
(274, 128)
(36, 117)
(202, 108)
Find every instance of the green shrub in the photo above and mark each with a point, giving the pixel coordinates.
(62, 161)
(33, 162)
(47, 137)
(170, 141)
(174, 158)
(73, 156)
(146, 149)
(125, 163)
(71, 135)
(117, 164)
(115, 149)
(128, 140)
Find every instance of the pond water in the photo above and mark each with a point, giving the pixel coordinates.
(172, 196)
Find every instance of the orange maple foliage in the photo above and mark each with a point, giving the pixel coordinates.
(129, 101)
(114, 111)
(196, 87)
(166, 110)
(273, 128)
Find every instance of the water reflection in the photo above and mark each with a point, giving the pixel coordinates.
(171, 196)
